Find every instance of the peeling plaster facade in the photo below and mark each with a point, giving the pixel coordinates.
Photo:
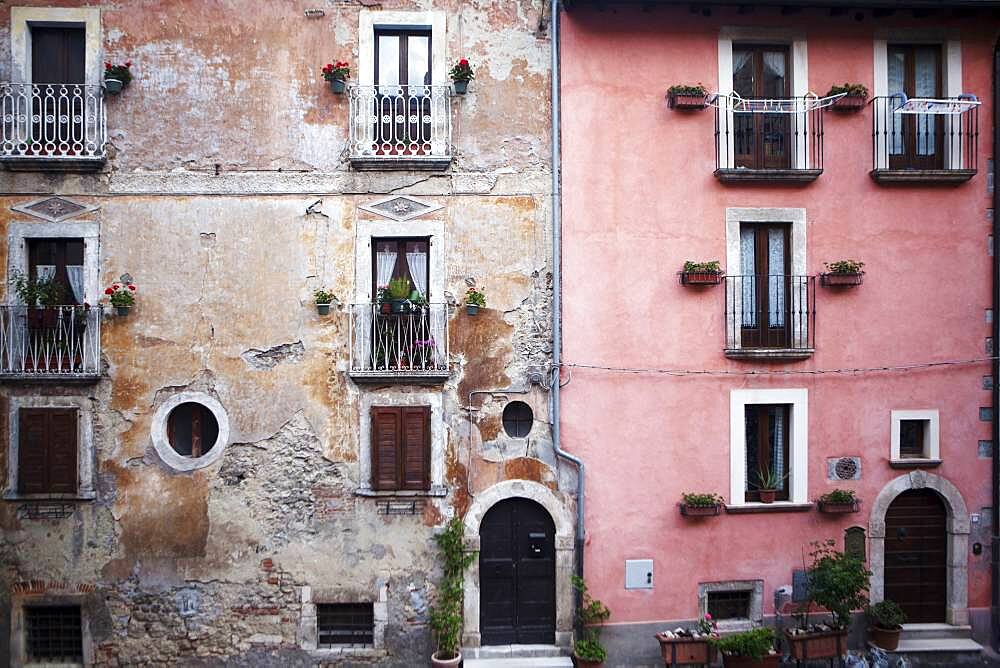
(220, 149)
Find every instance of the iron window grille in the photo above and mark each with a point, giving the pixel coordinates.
(729, 604)
(339, 624)
(53, 634)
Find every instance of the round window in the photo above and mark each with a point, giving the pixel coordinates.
(517, 419)
(192, 430)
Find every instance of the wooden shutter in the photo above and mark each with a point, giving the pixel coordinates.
(47, 450)
(385, 447)
(415, 450)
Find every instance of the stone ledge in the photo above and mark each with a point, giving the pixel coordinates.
(915, 463)
(776, 507)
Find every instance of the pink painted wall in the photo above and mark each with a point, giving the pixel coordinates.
(641, 199)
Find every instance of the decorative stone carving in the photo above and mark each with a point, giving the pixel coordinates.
(53, 209)
(400, 207)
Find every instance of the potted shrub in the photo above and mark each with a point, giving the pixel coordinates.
(767, 484)
(39, 292)
(856, 95)
(701, 273)
(116, 77)
(681, 96)
(588, 652)
(323, 300)
(684, 647)
(337, 74)
(843, 273)
(398, 292)
(700, 505)
(887, 620)
(838, 501)
(474, 300)
(446, 612)
(461, 74)
(838, 582)
(749, 649)
(121, 296)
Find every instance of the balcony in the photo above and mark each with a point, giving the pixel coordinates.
(52, 127)
(400, 127)
(54, 343)
(937, 146)
(768, 140)
(770, 317)
(406, 347)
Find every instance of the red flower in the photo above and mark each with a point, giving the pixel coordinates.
(131, 287)
(463, 62)
(109, 291)
(128, 63)
(107, 65)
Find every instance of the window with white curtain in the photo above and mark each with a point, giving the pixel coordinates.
(59, 260)
(402, 258)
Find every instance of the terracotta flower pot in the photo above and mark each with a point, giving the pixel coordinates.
(849, 103)
(842, 279)
(446, 663)
(699, 511)
(767, 495)
(885, 638)
(838, 508)
(701, 277)
(584, 663)
(686, 651)
(687, 102)
(822, 645)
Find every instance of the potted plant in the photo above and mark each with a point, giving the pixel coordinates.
(323, 300)
(382, 299)
(446, 612)
(682, 96)
(701, 273)
(684, 647)
(838, 501)
(398, 292)
(474, 300)
(887, 620)
(749, 649)
(838, 582)
(337, 74)
(461, 74)
(121, 296)
(39, 292)
(588, 652)
(854, 99)
(700, 505)
(842, 274)
(116, 77)
(767, 484)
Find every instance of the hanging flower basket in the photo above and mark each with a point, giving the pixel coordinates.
(842, 280)
(700, 511)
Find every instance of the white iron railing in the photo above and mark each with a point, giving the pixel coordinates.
(411, 342)
(400, 122)
(48, 342)
(64, 121)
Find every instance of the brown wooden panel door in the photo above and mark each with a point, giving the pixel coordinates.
(916, 141)
(58, 56)
(517, 570)
(47, 451)
(761, 141)
(916, 555)
(765, 258)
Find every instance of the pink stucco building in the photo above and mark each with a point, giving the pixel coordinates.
(882, 388)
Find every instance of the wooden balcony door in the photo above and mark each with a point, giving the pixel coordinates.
(765, 260)
(916, 141)
(58, 56)
(761, 141)
(402, 71)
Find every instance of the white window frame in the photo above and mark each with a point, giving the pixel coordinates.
(23, 18)
(369, 21)
(158, 432)
(84, 445)
(932, 435)
(798, 446)
(799, 60)
(19, 233)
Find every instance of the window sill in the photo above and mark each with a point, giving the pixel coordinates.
(776, 507)
(347, 650)
(915, 463)
(430, 163)
(35, 163)
(81, 497)
(430, 377)
(930, 176)
(50, 377)
(734, 175)
(769, 353)
(434, 491)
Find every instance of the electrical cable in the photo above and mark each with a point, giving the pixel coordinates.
(782, 372)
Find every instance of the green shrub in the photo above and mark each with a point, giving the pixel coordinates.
(837, 581)
(701, 500)
(844, 267)
(686, 89)
(756, 643)
(838, 496)
(446, 613)
(591, 614)
(857, 89)
(702, 267)
(886, 615)
(399, 288)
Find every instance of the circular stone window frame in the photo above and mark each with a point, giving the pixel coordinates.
(171, 457)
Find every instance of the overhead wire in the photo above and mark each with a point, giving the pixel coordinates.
(889, 368)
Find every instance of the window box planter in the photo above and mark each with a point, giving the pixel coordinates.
(701, 277)
(849, 104)
(839, 508)
(686, 651)
(841, 280)
(821, 645)
(686, 102)
(699, 511)
(769, 661)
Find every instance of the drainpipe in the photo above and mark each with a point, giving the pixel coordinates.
(995, 423)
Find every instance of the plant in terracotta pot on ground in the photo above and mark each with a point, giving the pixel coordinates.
(699, 505)
(887, 620)
(446, 612)
(588, 652)
(749, 649)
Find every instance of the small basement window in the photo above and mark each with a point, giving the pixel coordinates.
(339, 624)
(517, 419)
(53, 634)
(729, 604)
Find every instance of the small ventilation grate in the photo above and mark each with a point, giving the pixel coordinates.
(847, 468)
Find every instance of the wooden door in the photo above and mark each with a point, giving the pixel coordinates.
(916, 555)
(517, 570)
(761, 141)
(765, 290)
(58, 56)
(916, 141)
(403, 75)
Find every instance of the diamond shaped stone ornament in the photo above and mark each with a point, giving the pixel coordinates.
(400, 207)
(53, 209)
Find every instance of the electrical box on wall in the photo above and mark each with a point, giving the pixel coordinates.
(638, 574)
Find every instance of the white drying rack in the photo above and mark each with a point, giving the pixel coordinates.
(941, 107)
(795, 105)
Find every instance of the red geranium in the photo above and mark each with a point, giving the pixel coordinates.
(462, 71)
(337, 71)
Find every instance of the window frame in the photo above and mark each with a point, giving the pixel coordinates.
(371, 20)
(62, 252)
(26, 611)
(762, 410)
(931, 436)
(401, 258)
(756, 607)
(21, 235)
(160, 437)
(403, 414)
(404, 33)
(23, 18)
(909, 158)
(47, 415)
(369, 637)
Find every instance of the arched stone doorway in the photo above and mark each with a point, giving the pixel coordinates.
(563, 549)
(957, 537)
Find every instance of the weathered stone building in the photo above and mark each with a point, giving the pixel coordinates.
(195, 478)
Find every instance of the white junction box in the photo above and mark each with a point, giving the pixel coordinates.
(638, 574)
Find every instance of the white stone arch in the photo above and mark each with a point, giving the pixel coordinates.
(956, 527)
(561, 517)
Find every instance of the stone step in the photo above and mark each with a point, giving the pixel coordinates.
(939, 651)
(929, 631)
(512, 652)
(521, 662)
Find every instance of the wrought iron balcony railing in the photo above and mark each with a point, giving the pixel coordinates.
(53, 342)
(939, 145)
(406, 127)
(52, 125)
(770, 316)
(768, 140)
(407, 346)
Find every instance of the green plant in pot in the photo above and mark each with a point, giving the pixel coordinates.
(685, 96)
(116, 77)
(701, 273)
(588, 652)
(838, 501)
(854, 96)
(323, 299)
(36, 292)
(461, 74)
(887, 620)
(748, 649)
(768, 481)
(700, 504)
(474, 300)
(398, 292)
(843, 273)
(446, 612)
(121, 296)
(337, 74)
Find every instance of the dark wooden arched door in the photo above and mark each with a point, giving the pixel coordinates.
(517, 573)
(916, 547)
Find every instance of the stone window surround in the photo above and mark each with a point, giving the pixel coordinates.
(932, 442)
(798, 59)
(84, 440)
(565, 535)
(735, 217)
(387, 229)
(957, 529)
(19, 233)
(439, 439)
(308, 632)
(369, 20)
(756, 589)
(798, 450)
(21, 20)
(54, 594)
(161, 443)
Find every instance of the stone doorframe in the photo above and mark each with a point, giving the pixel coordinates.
(957, 528)
(521, 489)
